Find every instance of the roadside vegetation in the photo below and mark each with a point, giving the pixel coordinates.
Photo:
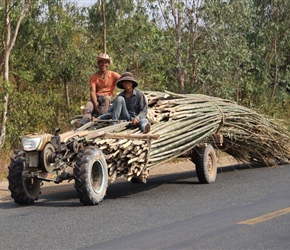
(237, 50)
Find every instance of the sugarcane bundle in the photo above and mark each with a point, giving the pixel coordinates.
(187, 120)
(126, 151)
(183, 122)
(126, 158)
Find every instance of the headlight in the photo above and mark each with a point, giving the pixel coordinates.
(30, 144)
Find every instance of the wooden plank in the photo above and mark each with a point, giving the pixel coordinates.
(130, 136)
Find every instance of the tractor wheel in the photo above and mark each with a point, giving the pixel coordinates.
(91, 176)
(23, 190)
(205, 161)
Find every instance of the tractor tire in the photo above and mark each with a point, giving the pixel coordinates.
(91, 176)
(23, 190)
(205, 161)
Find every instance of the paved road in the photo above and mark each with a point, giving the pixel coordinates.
(244, 209)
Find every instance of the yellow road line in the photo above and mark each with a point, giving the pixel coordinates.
(265, 217)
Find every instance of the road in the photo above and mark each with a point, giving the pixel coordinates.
(246, 208)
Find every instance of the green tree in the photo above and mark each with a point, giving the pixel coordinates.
(51, 64)
(181, 20)
(272, 43)
(13, 14)
(225, 58)
(133, 41)
(232, 49)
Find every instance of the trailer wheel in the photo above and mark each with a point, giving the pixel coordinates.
(205, 161)
(23, 190)
(135, 180)
(91, 176)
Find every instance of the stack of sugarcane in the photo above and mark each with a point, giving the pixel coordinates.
(126, 151)
(187, 120)
(184, 121)
(126, 158)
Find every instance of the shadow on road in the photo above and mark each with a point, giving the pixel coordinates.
(124, 188)
(64, 195)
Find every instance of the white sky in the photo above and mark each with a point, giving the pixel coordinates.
(84, 3)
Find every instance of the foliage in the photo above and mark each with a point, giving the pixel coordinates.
(236, 50)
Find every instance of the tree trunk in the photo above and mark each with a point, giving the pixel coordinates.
(4, 118)
(181, 81)
(5, 62)
(276, 70)
(180, 64)
(104, 27)
(66, 92)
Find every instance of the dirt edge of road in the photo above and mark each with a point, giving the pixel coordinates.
(178, 166)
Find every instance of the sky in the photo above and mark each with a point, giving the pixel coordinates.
(85, 3)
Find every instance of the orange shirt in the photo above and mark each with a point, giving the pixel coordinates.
(105, 87)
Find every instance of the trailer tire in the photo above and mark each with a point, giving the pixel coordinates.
(205, 161)
(91, 176)
(23, 190)
(135, 180)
